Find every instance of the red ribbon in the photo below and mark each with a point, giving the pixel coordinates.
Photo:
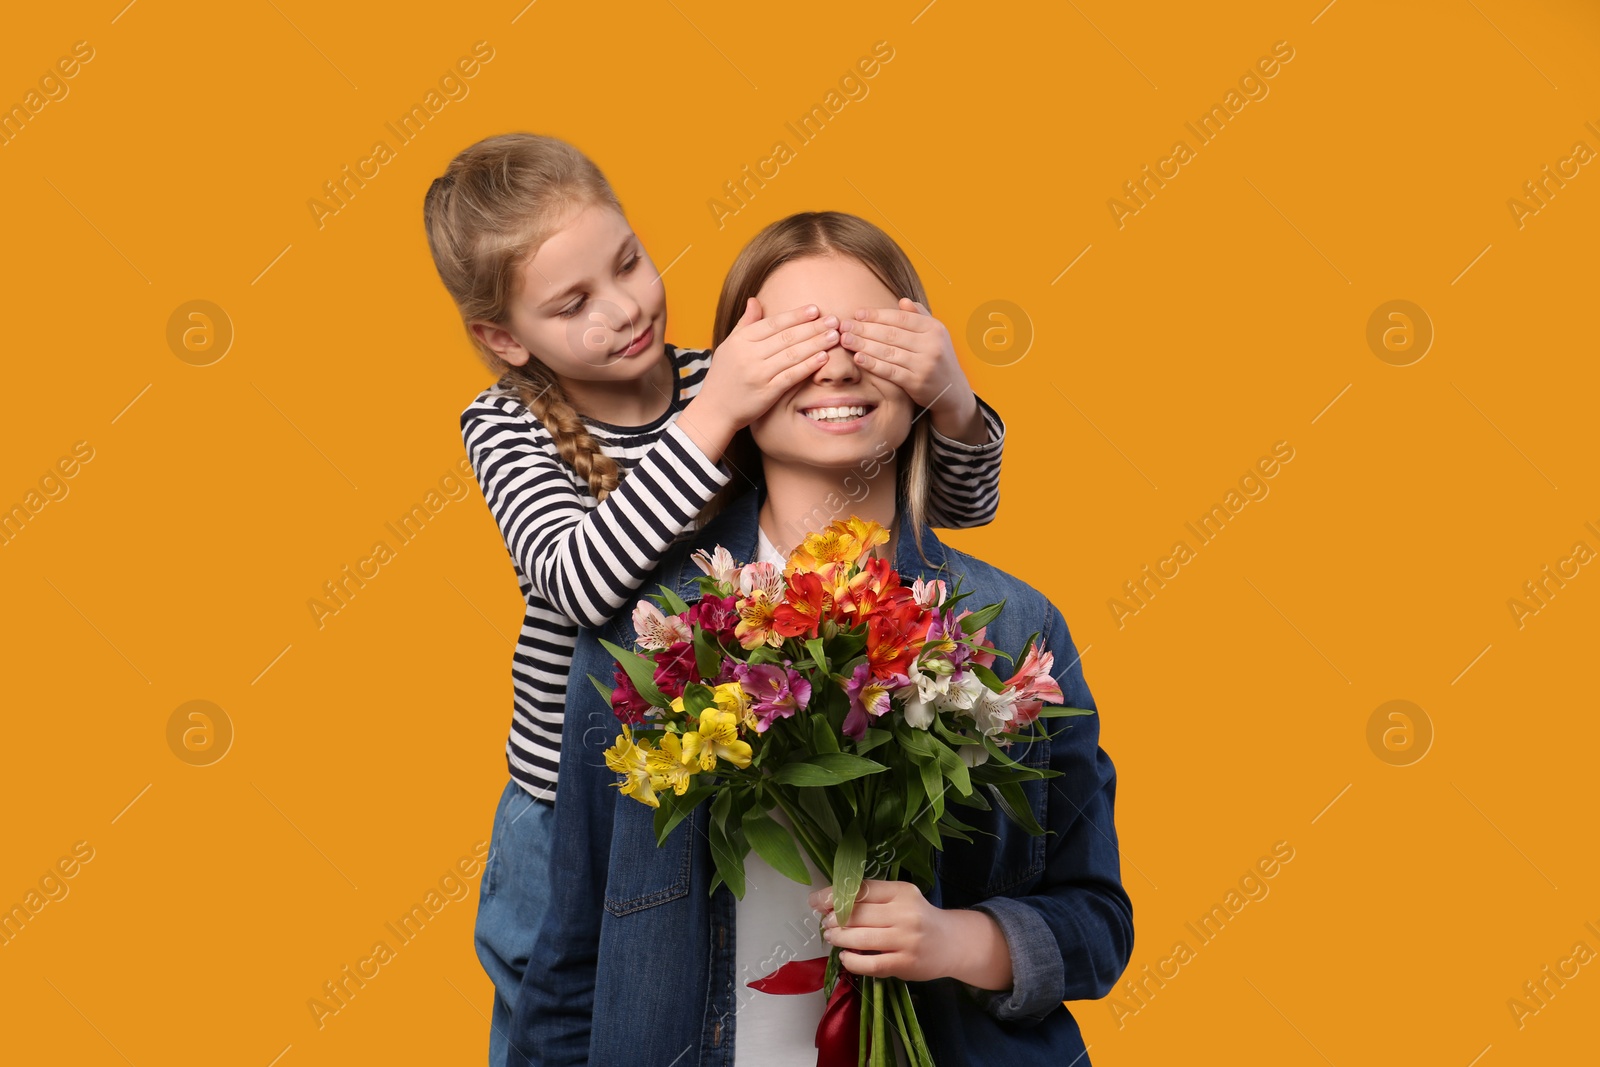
(839, 1032)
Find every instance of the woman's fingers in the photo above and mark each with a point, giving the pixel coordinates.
(884, 964)
(864, 938)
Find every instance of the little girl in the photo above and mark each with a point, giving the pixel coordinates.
(600, 443)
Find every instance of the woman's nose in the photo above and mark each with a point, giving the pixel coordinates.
(839, 367)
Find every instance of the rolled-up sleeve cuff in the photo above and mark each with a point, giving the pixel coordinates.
(1038, 973)
(992, 422)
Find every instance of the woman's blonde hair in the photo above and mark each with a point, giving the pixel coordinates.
(486, 216)
(803, 236)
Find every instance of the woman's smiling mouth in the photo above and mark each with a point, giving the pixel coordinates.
(838, 416)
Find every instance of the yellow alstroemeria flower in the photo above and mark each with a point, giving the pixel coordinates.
(718, 737)
(668, 767)
(756, 614)
(631, 760)
(833, 550)
(868, 535)
(730, 696)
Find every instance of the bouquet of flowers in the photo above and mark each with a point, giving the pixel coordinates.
(865, 710)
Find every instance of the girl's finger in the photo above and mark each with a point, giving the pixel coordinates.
(907, 304)
(789, 377)
(889, 334)
(798, 341)
(774, 324)
(855, 342)
(752, 313)
(906, 320)
(884, 369)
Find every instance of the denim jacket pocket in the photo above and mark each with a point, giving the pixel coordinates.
(643, 875)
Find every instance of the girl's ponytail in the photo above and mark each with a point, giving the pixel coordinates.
(496, 203)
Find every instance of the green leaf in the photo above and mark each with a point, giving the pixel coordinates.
(889, 811)
(827, 768)
(1051, 711)
(727, 855)
(814, 646)
(817, 804)
(872, 739)
(823, 739)
(933, 784)
(1014, 804)
(976, 801)
(697, 697)
(707, 654)
(671, 602)
(849, 866)
(674, 809)
(987, 677)
(954, 769)
(981, 618)
(916, 742)
(605, 691)
(641, 672)
(775, 845)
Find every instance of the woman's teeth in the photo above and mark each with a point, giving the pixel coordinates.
(855, 411)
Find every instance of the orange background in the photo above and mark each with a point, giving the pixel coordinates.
(1228, 314)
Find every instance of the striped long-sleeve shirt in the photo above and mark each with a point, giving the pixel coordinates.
(579, 561)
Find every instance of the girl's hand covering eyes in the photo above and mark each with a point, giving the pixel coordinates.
(759, 361)
(912, 349)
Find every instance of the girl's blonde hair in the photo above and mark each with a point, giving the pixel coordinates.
(486, 216)
(826, 233)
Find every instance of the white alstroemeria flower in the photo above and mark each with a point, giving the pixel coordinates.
(718, 564)
(993, 712)
(657, 630)
(964, 689)
(922, 699)
(973, 755)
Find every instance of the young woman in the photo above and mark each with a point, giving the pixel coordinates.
(643, 964)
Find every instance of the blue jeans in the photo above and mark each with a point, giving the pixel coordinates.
(511, 901)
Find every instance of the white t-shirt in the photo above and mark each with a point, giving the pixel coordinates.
(773, 925)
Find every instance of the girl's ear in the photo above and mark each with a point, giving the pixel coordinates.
(501, 342)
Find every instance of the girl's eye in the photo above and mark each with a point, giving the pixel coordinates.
(632, 262)
(573, 310)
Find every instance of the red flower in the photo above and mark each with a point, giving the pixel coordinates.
(716, 615)
(675, 668)
(802, 607)
(626, 703)
(896, 630)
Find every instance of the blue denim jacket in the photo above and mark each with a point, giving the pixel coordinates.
(635, 961)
